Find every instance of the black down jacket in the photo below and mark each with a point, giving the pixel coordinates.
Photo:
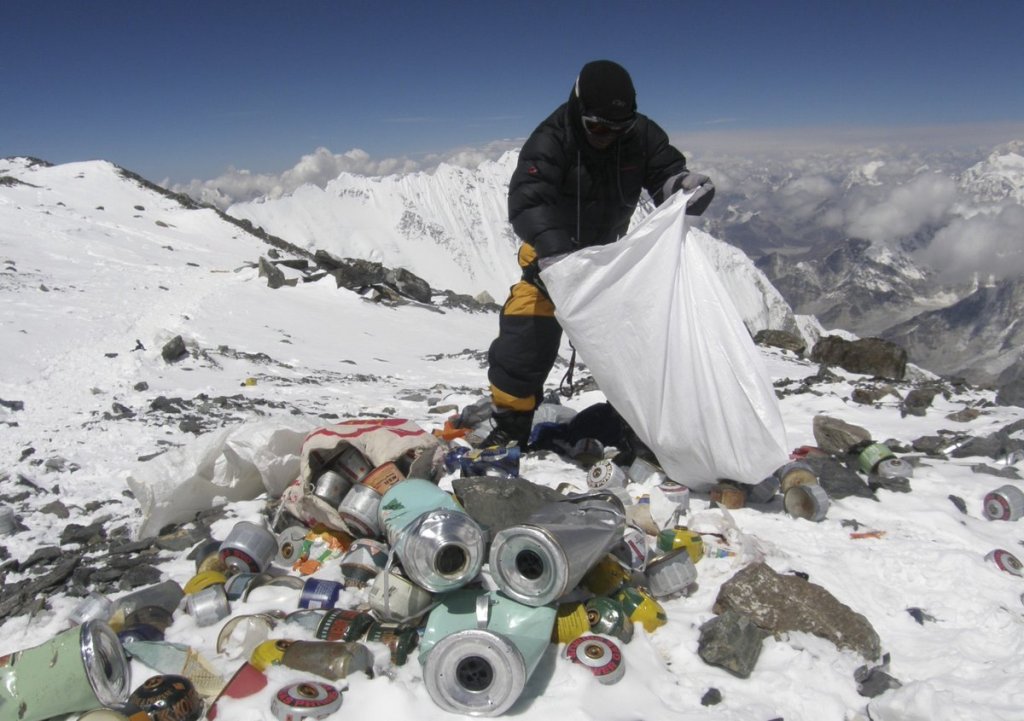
(565, 195)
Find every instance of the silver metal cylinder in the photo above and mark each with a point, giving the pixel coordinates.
(442, 550)
(539, 561)
(599, 655)
(671, 574)
(475, 672)
(305, 700)
(605, 474)
(1005, 503)
(208, 606)
(807, 501)
(248, 547)
(894, 468)
(331, 487)
(359, 511)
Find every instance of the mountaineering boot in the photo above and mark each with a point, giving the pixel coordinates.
(509, 426)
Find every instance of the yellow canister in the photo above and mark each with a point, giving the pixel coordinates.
(269, 653)
(672, 538)
(571, 622)
(607, 576)
(204, 579)
(642, 608)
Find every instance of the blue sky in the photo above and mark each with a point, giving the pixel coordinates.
(184, 90)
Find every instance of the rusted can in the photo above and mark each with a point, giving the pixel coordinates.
(400, 640)
(571, 622)
(642, 608)
(89, 662)
(807, 501)
(363, 560)
(305, 700)
(671, 574)
(796, 473)
(599, 655)
(331, 659)
(248, 547)
(870, 457)
(331, 487)
(727, 495)
(1005, 503)
(343, 625)
(208, 606)
(607, 616)
(606, 474)
(672, 538)
(168, 698)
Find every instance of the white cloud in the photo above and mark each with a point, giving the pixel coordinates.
(804, 196)
(923, 201)
(984, 244)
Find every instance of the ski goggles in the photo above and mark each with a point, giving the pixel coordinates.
(596, 125)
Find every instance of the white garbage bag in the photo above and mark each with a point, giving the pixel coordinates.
(234, 464)
(653, 322)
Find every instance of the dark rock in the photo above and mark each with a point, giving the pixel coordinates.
(870, 396)
(14, 599)
(1010, 472)
(166, 405)
(133, 547)
(994, 446)
(960, 503)
(781, 339)
(46, 554)
(408, 284)
(872, 356)
(920, 615)
(931, 445)
(875, 681)
(57, 509)
(274, 275)
(85, 535)
(497, 503)
(711, 697)
(838, 437)
(917, 401)
(141, 386)
(837, 480)
(181, 539)
(191, 424)
(107, 574)
(174, 350)
(780, 603)
(895, 485)
(140, 575)
(731, 641)
(964, 416)
(1011, 394)
(13, 405)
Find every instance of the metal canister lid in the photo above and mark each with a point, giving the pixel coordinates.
(671, 574)
(248, 547)
(599, 655)
(894, 468)
(807, 501)
(289, 545)
(475, 672)
(1005, 561)
(168, 698)
(606, 474)
(607, 616)
(306, 700)
(1005, 503)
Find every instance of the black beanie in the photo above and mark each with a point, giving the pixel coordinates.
(605, 89)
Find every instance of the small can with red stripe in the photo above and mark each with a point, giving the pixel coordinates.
(1006, 561)
(1005, 503)
(343, 625)
(306, 700)
(600, 655)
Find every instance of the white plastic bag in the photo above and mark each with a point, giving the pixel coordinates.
(653, 322)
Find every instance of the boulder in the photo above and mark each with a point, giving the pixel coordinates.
(778, 604)
(872, 356)
(781, 339)
(838, 437)
(731, 641)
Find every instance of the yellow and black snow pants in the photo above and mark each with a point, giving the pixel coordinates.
(526, 348)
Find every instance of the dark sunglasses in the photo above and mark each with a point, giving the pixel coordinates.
(600, 126)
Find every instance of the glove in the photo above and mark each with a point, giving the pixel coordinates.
(705, 191)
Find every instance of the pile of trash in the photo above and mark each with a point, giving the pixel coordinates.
(365, 551)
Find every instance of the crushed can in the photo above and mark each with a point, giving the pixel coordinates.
(671, 574)
(479, 649)
(870, 457)
(333, 660)
(343, 625)
(498, 462)
(395, 598)
(680, 537)
(1005, 503)
(305, 700)
(89, 663)
(400, 640)
(599, 655)
(440, 546)
(248, 547)
(539, 561)
(168, 698)
(606, 616)
(363, 560)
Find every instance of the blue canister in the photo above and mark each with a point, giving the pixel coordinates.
(479, 649)
(320, 593)
(440, 547)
